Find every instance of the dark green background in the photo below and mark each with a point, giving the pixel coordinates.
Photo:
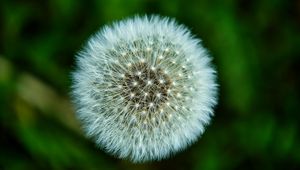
(256, 50)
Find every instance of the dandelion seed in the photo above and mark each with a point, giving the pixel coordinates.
(142, 60)
(132, 95)
(151, 104)
(134, 83)
(151, 86)
(161, 81)
(138, 73)
(149, 82)
(148, 49)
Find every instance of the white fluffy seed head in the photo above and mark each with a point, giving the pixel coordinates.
(158, 97)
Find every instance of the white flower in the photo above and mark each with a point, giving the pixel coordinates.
(144, 88)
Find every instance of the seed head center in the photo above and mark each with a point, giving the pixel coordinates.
(148, 85)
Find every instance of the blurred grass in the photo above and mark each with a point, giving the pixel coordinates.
(255, 45)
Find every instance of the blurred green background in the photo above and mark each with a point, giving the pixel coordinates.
(256, 50)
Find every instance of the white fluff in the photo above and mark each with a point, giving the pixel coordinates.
(144, 88)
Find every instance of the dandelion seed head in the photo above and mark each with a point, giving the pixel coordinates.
(155, 100)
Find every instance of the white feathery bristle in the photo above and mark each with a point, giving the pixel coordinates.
(144, 88)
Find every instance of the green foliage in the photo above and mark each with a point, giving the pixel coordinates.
(255, 45)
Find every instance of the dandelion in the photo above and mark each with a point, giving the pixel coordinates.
(144, 88)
